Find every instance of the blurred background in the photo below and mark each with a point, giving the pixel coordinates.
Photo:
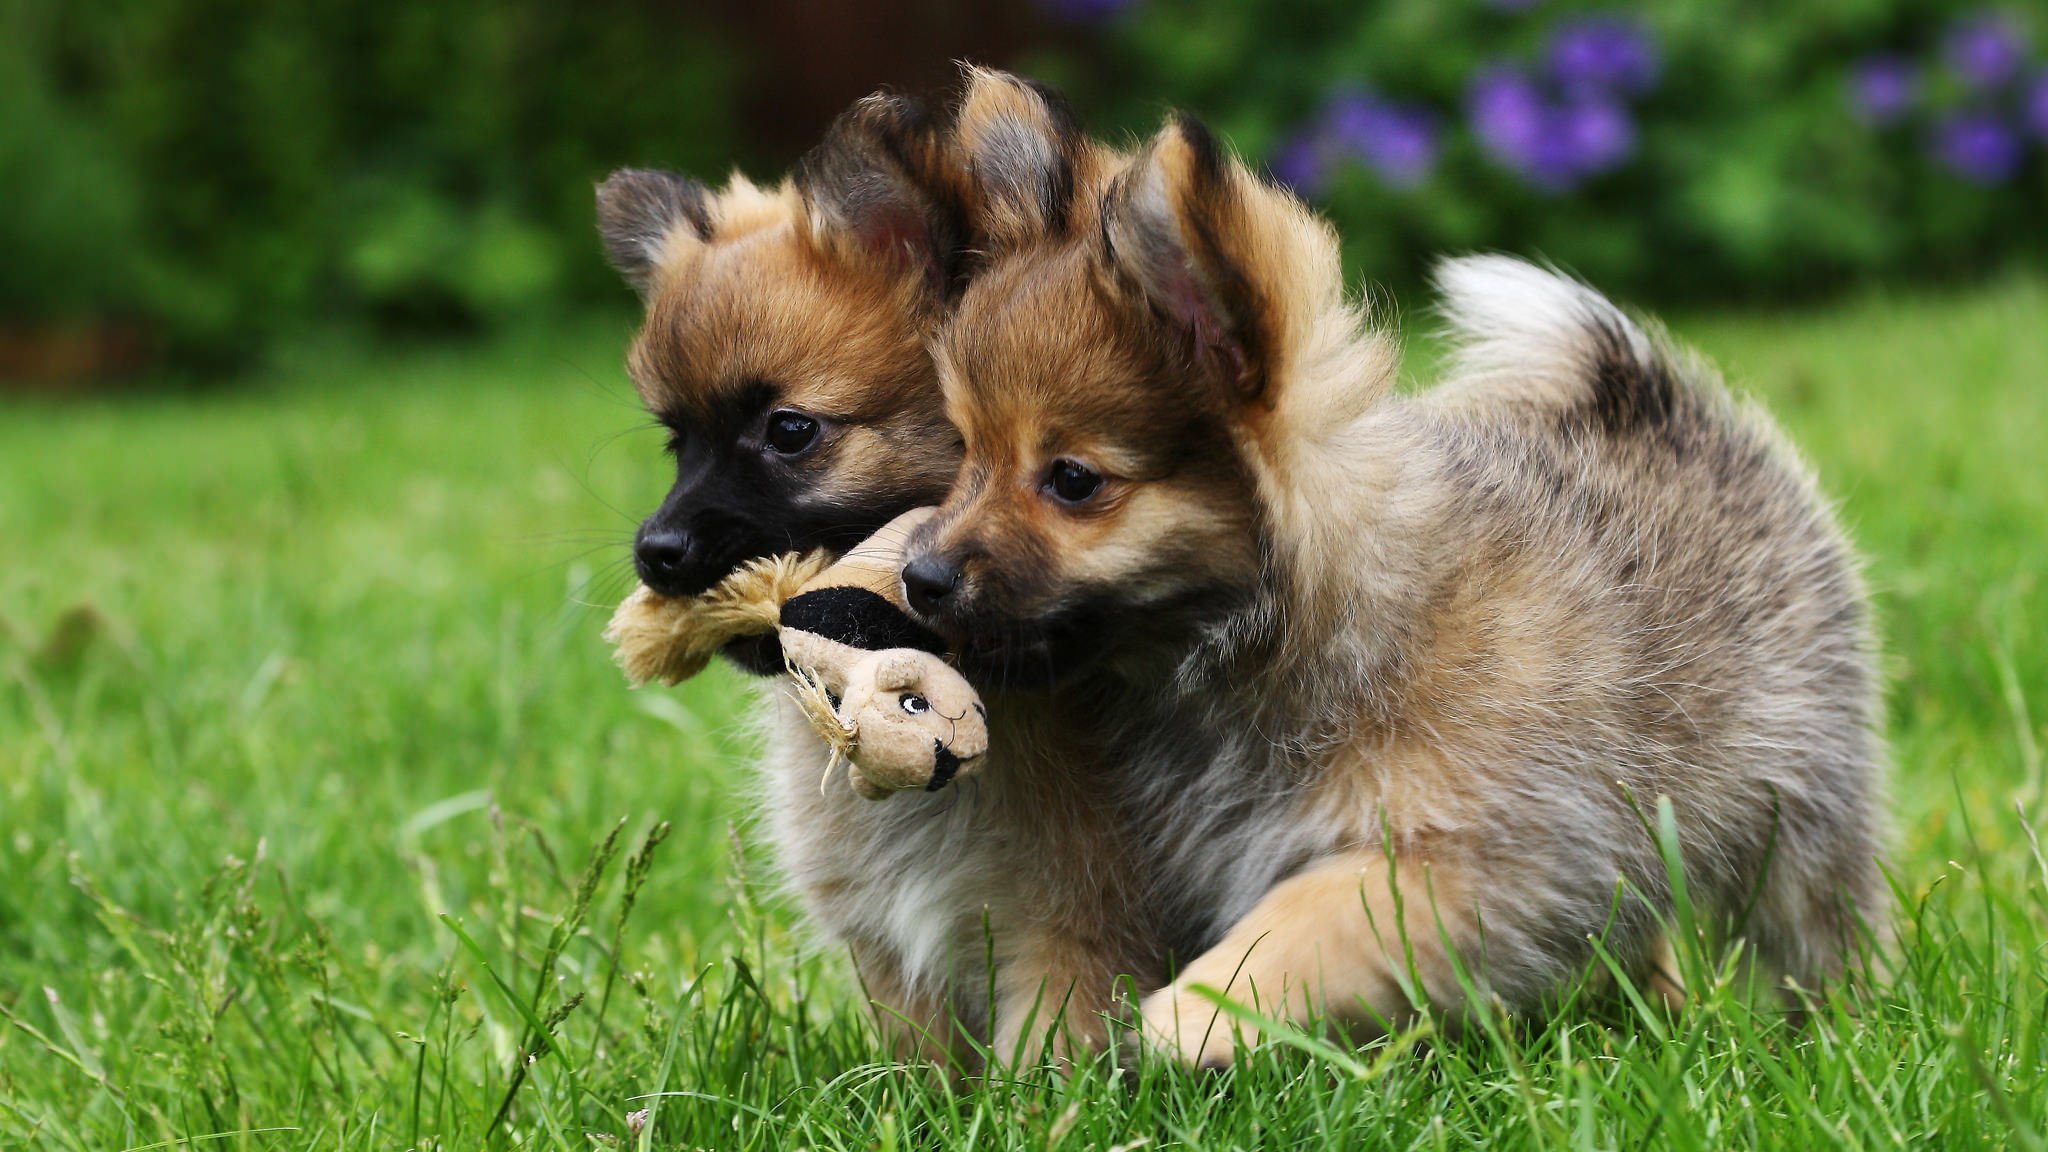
(191, 184)
(318, 468)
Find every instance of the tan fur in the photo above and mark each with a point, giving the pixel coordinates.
(1348, 939)
(1029, 172)
(769, 298)
(1025, 865)
(751, 287)
(1477, 633)
(916, 1021)
(671, 639)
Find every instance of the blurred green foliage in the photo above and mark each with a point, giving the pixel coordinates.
(223, 170)
(1751, 174)
(218, 172)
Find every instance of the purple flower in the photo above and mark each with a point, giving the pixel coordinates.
(1882, 89)
(1602, 54)
(1598, 134)
(1507, 111)
(1553, 144)
(1397, 141)
(2034, 105)
(1984, 50)
(1978, 146)
(1303, 162)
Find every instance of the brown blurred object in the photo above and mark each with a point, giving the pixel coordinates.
(806, 60)
(68, 359)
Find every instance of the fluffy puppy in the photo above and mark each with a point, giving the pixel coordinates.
(784, 348)
(998, 915)
(784, 345)
(1389, 686)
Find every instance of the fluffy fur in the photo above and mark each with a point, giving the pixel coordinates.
(1385, 685)
(817, 295)
(1027, 865)
(670, 639)
(815, 298)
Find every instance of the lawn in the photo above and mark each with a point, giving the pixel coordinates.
(326, 822)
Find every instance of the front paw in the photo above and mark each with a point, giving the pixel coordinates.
(1189, 1028)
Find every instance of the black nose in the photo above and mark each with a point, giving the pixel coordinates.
(664, 558)
(927, 581)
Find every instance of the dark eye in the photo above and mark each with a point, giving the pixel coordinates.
(789, 433)
(1072, 482)
(915, 705)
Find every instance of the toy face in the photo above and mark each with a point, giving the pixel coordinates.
(917, 725)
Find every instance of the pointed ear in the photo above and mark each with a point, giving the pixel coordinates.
(1020, 144)
(880, 187)
(641, 212)
(1192, 234)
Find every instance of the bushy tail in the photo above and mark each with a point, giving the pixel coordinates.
(1524, 333)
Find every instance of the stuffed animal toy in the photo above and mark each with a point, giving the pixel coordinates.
(872, 681)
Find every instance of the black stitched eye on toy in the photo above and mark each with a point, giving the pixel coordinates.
(1071, 482)
(914, 704)
(789, 433)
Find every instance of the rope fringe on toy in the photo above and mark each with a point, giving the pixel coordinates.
(816, 703)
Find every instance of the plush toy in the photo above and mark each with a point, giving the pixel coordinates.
(872, 681)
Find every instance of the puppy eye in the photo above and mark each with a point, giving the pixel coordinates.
(915, 705)
(1072, 482)
(789, 433)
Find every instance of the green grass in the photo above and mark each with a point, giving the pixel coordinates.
(310, 758)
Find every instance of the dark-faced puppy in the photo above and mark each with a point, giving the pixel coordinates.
(785, 349)
(784, 344)
(998, 916)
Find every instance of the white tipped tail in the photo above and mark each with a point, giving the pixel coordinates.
(1522, 329)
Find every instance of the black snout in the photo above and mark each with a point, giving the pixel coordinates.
(927, 582)
(670, 562)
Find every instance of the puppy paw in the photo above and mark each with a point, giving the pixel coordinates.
(1188, 1028)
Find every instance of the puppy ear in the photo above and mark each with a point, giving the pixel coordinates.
(641, 212)
(1020, 144)
(880, 187)
(1205, 246)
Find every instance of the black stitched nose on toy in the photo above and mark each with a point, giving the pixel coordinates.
(927, 581)
(664, 558)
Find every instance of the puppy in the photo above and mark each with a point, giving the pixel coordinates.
(784, 346)
(1389, 687)
(995, 918)
(784, 349)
